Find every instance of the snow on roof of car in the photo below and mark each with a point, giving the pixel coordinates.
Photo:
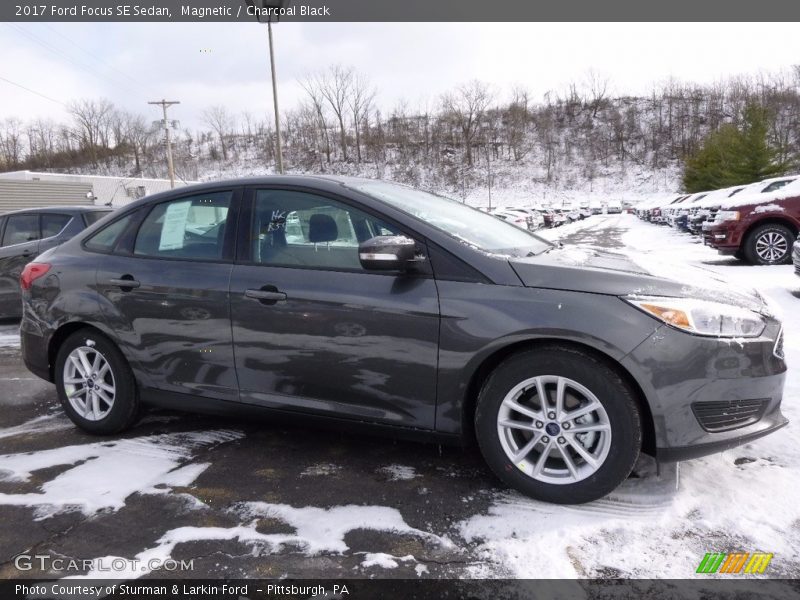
(755, 193)
(717, 196)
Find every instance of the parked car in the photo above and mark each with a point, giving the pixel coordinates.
(679, 216)
(370, 304)
(658, 214)
(760, 226)
(614, 207)
(519, 218)
(707, 208)
(24, 234)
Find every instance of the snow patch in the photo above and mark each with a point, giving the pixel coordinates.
(43, 424)
(316, 531)
(320, 469)
(102, 475)
(398, 472)
(383, 560)
(764, 208)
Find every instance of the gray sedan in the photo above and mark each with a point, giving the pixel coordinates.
(371, 305)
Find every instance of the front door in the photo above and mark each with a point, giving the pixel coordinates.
(166, 295)
(313, 331)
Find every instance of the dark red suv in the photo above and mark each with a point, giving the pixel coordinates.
(760, 224)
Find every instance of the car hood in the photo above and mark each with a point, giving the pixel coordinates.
(598, 271)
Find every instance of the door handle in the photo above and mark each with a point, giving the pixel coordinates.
(268, 294)
(124, 283)
(27, 253)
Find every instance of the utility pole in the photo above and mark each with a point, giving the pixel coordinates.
(165, 104)
(278, 142)
(267, 10)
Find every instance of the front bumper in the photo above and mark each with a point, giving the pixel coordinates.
(680, 372)
(725, 237)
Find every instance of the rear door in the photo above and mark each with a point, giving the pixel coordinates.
(19, 246)
(313, 331)
(165, 293)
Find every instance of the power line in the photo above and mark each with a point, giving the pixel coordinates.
(60, 54)
(27, 89)
(92, 56)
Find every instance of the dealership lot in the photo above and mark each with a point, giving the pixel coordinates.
(266, 500)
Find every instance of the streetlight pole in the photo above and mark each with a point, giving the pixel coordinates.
(267, 10)
(278, 141)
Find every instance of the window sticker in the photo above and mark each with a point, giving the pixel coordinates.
(174, 229)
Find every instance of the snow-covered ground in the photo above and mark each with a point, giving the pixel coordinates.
(9, 336)
(653, 526)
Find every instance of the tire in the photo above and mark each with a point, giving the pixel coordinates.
(614, 445)
(769, 244)
(114, 382)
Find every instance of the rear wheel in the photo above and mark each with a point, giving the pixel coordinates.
(558, 425)
(95, 384)
(769, 244)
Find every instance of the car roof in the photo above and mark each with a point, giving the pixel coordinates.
(72, 210)
(322, 182)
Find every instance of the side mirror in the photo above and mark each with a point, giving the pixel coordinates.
(386, 253)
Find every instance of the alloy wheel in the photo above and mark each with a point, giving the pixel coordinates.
(772, 246)
(89, 383)
(554, 429)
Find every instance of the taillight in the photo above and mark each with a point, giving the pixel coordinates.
(31, 273)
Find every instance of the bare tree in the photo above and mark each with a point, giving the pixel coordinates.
(311, 85)
(466, 106)
(220, 121)
(361, 95)
(140, 135)
(517, 119)
(597, 87)
(11, 146)
(334, 85)
(91, 116)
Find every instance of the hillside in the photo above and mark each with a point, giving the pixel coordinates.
(581, 144)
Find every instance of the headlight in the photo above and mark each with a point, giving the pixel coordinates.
(702, 317)
(728, 215)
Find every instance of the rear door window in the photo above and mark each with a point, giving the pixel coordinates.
(21, 229)
(186, 228)
(106, 239)
(776, 185)
(53, 224)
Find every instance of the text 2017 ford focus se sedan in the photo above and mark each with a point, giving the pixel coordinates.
(368, 303)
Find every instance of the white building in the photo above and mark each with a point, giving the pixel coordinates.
(117, 191)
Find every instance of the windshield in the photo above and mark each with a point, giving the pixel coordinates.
(466, 224)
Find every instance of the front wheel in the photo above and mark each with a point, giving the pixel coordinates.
(769, 244)
(559, 425)
(95, 384)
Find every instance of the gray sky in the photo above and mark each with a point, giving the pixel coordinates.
(206, 63)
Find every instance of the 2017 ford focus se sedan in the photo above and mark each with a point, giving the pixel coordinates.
(369, 303)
